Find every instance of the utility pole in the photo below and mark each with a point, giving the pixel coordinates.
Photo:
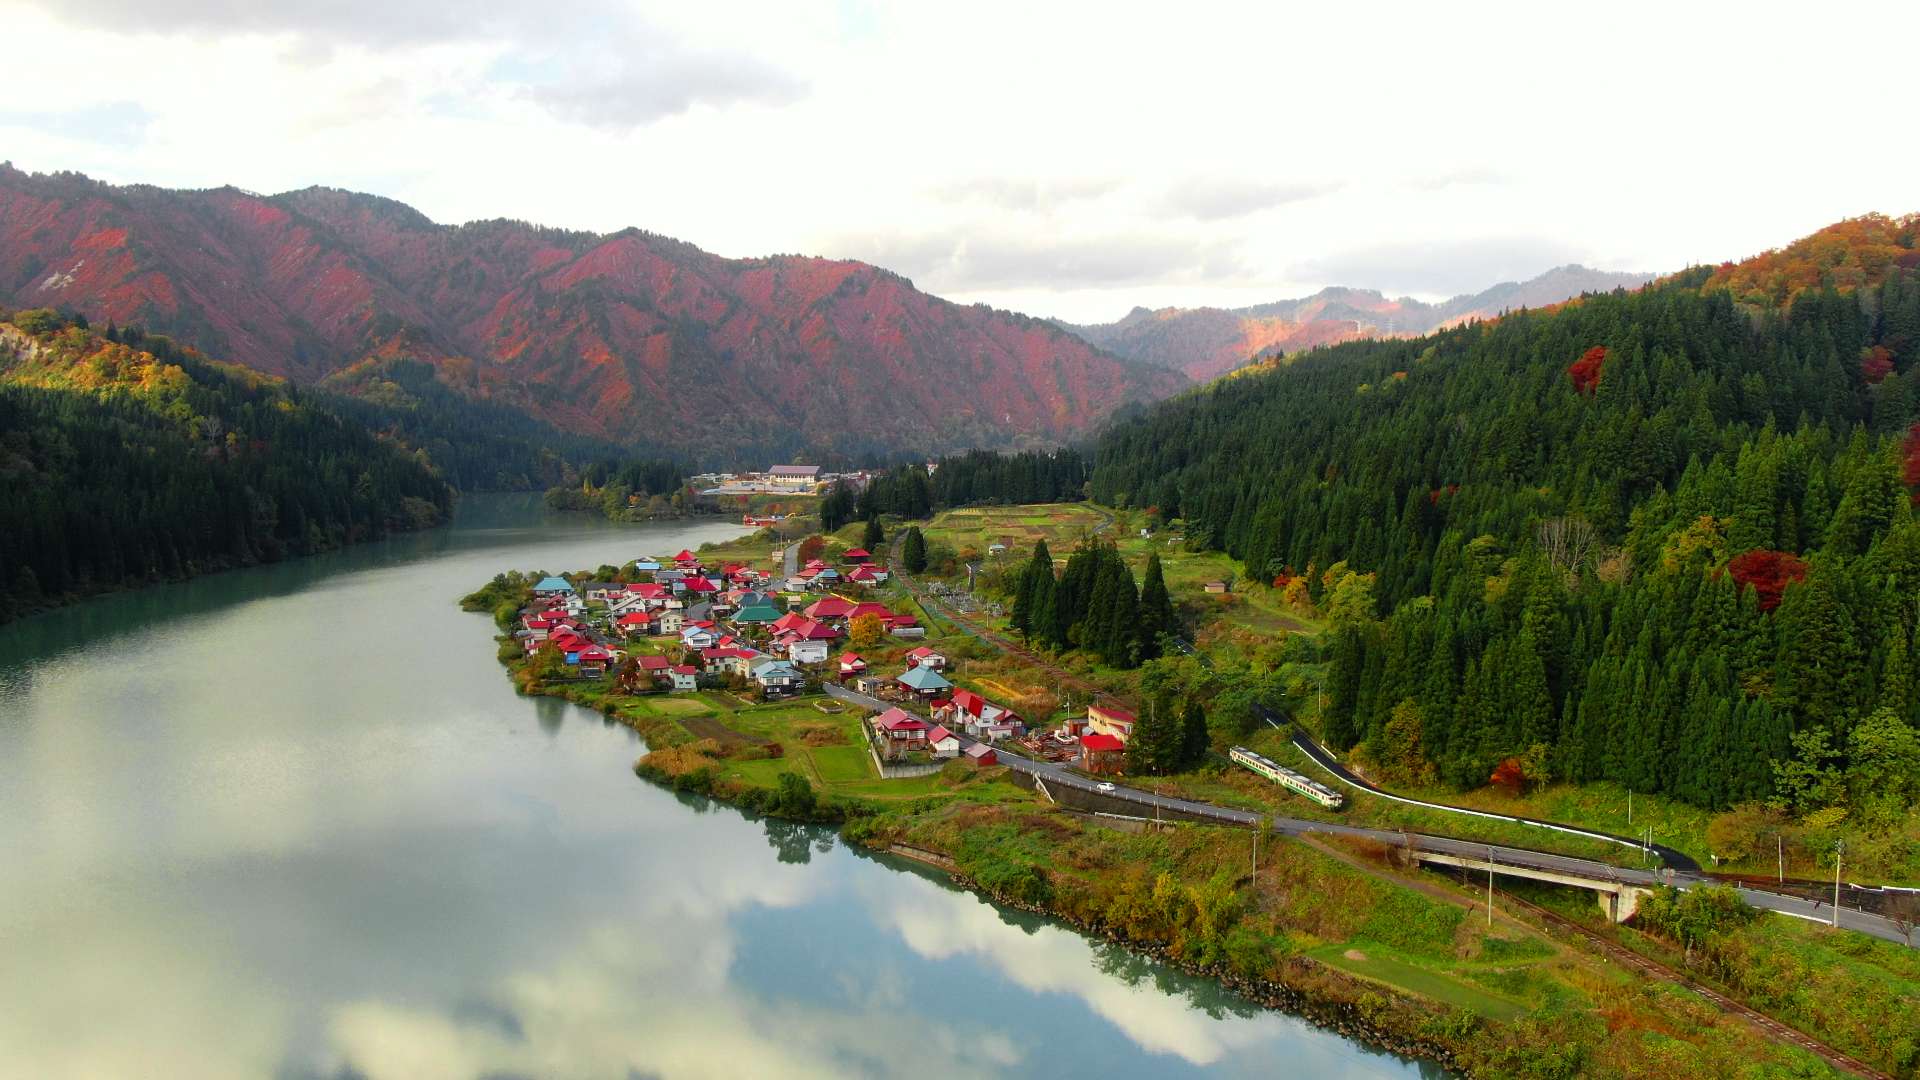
(1839, 846)
(1629, 806)
(1780, 853)
(1489, 887)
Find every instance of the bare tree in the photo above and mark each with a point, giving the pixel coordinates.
(1904, 909)
(1567, 541)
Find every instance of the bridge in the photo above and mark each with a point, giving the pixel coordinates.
(1618, 899)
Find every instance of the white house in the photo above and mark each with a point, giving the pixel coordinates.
(807, 652)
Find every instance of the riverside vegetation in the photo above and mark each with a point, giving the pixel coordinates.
(1341, 935)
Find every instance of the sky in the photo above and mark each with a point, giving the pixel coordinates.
(1060, 159)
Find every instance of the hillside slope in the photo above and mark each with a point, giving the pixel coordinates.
(630, 337)
(1205, 343)
(124, 460)
(1664, 538)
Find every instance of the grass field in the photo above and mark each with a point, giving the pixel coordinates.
(1380, 964)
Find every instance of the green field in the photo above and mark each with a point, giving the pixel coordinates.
(1380, 964)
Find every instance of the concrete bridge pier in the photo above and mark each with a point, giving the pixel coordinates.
(1618, 899)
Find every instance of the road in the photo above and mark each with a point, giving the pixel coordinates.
(1678, 860)
(1059, 775)
(1681, 871)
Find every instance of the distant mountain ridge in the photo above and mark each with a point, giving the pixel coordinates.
(1205, 343)
(631, 337)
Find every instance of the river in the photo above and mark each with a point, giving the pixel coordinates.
(293, 822)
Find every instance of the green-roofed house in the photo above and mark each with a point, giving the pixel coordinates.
(924, 681)
(756, 613)
(552, 586)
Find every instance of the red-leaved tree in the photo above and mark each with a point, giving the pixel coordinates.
(1585, 372)
(1768, 573)
(1876, 364)
(1509, 776)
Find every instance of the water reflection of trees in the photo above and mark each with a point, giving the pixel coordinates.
(1207, 995)
(796, 843)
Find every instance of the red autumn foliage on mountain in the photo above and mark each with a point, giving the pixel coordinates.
(1768, 573)
(1585, 372)
(1209, 342)
(629, 336)
(1876, 364)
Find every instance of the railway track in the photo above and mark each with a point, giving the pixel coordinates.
(1626, 957)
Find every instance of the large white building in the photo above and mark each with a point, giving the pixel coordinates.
(794, 477)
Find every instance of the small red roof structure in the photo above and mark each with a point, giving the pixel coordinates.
(684, 669)
(1097, 743)
(595, 652)
(857, 555)
(652, 663)
(684, 556)
(637, 618)
(647, 590)
(869, 608)
(698, 585)
(939, 734)
(982, 754)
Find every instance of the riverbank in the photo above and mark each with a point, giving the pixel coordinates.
(1351, 949)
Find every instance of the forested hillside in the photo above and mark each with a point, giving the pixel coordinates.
(125, 460)
(628, 337)
(1663, 537)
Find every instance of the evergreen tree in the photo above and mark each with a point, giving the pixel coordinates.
(913, 550)
(1156, 610)
(874, 535)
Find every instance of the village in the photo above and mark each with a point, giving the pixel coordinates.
(829, 631)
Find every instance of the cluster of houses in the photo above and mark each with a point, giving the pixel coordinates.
(730, 618)
(731, 622)
(821, 576)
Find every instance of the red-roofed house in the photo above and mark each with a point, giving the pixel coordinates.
(982, 755)
(862, 575)
(1102, 754)
(829, 607)
(685, 677)
(901, 729)
(857, 555)
(635, 624)
(869, 608)
(942, 743)
(977, 716)
(698, 585)
(924, 656)
(1107, 720)
(852, 664)
(593, 660)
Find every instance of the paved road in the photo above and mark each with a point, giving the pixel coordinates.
(1060, 776)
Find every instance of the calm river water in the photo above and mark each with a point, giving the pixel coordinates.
(293, 822)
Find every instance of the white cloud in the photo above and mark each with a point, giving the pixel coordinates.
(1031, 133)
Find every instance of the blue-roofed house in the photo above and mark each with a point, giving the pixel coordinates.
(924, 681)
(552, 586)
(646, 564)
(777, 676)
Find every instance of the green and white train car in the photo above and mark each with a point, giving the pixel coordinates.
(1289, 779)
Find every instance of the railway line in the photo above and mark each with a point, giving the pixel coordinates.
(1653, 969)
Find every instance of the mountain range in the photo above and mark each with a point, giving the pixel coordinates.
(629, 336)
(1205, 343)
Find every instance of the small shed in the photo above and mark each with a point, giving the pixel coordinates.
(982, 755)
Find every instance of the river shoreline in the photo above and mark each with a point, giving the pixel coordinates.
(1345, 1005)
